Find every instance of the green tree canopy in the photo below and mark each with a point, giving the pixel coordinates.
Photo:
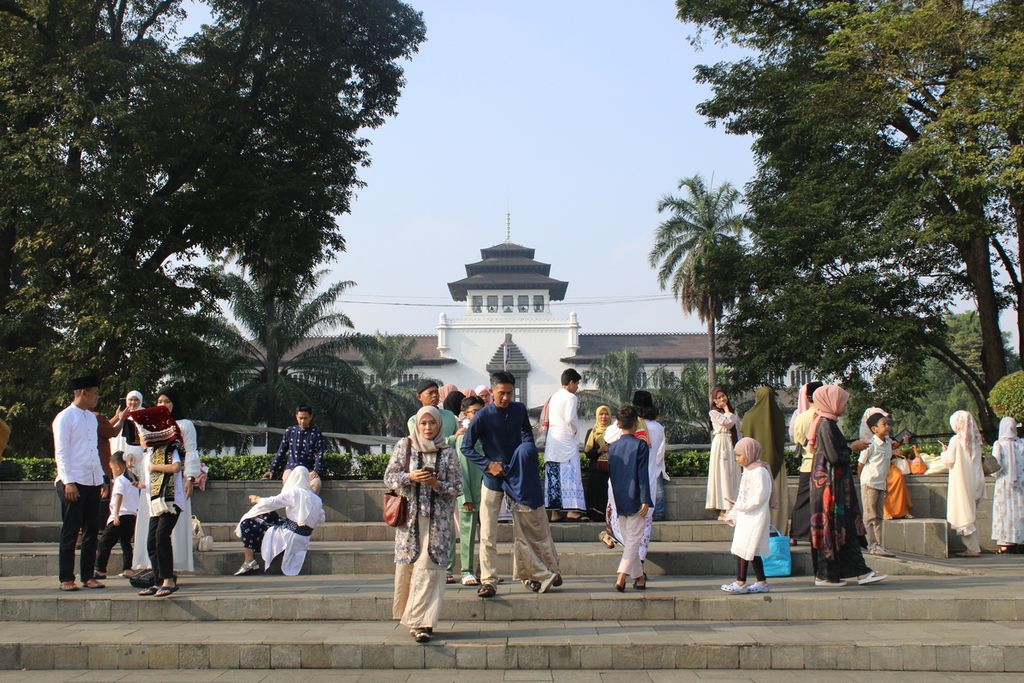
(131, 157)
(889, 179)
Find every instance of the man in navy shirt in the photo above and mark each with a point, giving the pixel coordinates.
(510, 465)
(302, 444)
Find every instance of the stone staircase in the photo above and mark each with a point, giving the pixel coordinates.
(933, 615)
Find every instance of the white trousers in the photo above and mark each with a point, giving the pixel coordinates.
(632, 528)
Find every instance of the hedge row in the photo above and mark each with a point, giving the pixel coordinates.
(338, 466)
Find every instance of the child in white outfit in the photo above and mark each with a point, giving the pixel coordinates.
(751, 515)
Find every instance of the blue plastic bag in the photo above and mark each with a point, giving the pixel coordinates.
(779, 561)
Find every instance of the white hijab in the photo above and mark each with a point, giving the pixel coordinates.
(135, 394)
(1008, 444)
(865, 431)
(966, 478)
(300, 504)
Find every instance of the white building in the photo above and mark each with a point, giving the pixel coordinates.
(508, 324)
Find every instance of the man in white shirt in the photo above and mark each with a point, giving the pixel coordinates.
(79, 481)
(563, 478)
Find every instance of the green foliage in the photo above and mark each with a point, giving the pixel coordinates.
(697, 247)
(887, 176)
(28, 469)
(286, 351)
(135, 157)
(238, 467)
(615, 377)
(1007, 396)
(393, 400)
(372, 465)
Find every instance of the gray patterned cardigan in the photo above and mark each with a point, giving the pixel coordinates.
(439, 506)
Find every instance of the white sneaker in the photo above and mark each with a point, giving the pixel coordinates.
(871, 577)
(546, 584)
(834, 584)
(879, 551)
(736, 588)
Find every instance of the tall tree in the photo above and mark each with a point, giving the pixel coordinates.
(888, 143)
(702, 230)
(394, 398)
(132, 156)
(286, 350)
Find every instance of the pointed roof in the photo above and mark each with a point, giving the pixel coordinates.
(516, 359)
(508, 266)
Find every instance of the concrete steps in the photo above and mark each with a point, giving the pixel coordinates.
(561, 532)
(708, 558)
(283, 599)
(506, 645)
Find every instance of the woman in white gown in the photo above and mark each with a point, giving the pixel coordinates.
(723, 472)
(1008, 499)
(966, 480)
(181, 537)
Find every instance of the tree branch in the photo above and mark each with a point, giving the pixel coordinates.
(157, 12)
(16, 10)
(1008, 265)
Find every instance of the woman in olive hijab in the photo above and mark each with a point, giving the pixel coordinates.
(766, 424)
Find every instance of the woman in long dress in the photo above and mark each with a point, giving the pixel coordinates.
(837, 528)
(181, 536)
(723, 472)
(426, 472)
(1008, 500)
(966, 480)
(595, 449)
(263, 529)
(766, 424)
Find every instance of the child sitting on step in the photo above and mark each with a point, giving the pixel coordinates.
(751, 515)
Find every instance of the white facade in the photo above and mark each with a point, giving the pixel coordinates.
(473, 342)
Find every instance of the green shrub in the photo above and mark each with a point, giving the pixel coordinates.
(687, 463)
(28, 469)
(1007, 397)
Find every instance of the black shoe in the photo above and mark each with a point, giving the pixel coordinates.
(532, 585)
(558, 581)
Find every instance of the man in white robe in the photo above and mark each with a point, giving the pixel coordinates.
(563, 477)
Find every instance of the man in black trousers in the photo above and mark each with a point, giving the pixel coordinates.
(79, 481)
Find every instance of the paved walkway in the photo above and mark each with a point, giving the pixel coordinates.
(475, 676)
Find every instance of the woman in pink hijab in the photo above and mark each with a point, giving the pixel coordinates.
(837, 529)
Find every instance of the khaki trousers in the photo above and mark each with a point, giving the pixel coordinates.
(419, 587)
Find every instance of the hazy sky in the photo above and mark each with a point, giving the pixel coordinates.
(574, 116)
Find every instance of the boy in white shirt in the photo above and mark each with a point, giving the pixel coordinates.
(873, 468)
(124, 507)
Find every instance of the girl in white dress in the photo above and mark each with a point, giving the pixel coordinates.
(751, 515)
(723, 473)
(966, 480)
(1008, 499)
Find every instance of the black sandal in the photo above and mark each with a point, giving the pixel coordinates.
(422, 635)
(149, 591)
(487, 590)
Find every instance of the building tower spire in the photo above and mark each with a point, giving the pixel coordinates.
(508, 226)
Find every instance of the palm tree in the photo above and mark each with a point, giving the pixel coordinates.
(688, 246)
(285, 351)
(394, 399)
(616, 377)
(682, 401)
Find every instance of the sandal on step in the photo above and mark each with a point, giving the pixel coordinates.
(607, 540)
(487, 590)
(450, 579)
(164, 591)
(640, 582)
(421, 635)
(68, 586)
(149, 591)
